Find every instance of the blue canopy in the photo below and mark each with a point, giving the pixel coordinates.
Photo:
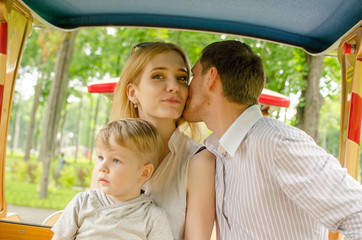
(314, 25)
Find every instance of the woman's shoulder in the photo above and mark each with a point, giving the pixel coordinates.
(201, 173)
(181, 142)
(203, 159)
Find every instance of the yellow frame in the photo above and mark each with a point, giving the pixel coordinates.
(19, 26)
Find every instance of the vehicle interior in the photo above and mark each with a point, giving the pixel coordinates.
(317, 27)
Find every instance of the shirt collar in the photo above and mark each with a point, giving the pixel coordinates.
(232, 138)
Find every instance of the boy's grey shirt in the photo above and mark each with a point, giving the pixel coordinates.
(93, 215)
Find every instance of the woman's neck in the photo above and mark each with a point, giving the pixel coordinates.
(165, 128)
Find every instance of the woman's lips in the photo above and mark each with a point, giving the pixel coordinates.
(172, 100)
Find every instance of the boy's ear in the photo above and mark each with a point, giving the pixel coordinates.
(146, 172)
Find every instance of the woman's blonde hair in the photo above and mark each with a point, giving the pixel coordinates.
(137, 135)
(122, 107)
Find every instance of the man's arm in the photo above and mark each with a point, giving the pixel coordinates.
(315, 181)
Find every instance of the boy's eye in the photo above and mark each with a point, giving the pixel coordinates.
(116, 161)
(100, 158)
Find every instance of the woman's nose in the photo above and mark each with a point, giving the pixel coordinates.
(173, 85)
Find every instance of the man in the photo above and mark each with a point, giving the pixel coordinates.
(272, 180)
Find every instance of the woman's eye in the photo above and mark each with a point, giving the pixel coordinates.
(157, 76)
(183, 79)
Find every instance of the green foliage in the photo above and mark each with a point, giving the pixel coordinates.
(23, 171)
(330, 86)
(67, 177)
(19, 171)
(329, 127)
(34, 172)
(84, 176)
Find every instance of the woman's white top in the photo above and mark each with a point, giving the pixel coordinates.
(168, 185)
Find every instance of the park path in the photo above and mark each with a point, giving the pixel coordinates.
(30, 215)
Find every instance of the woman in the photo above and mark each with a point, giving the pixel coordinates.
(154, 86)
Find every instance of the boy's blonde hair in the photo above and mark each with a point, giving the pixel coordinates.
(137, 135)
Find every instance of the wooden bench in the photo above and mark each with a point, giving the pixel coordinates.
(23, 231)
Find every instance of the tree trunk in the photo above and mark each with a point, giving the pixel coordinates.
(308, 115)
(30, 135)
(38, 128)
(76, 135)
(93, 129)
(60, 143)
(89, 126)
(55, 103)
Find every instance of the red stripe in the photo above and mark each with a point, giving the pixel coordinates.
(274, 100)
(1, 98)
(102, 88)
(355, 116)
(3, 37)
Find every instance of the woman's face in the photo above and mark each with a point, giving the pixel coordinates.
(162, 90)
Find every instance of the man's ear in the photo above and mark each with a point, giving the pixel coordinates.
(213, 75)
(146, 172)
(131, 92)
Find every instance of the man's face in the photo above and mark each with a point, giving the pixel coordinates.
(197, 99)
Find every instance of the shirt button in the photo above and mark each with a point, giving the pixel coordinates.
(224, 154)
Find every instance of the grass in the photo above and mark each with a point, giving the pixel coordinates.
(24, 193)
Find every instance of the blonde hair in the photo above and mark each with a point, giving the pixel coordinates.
(122, 107)
(137, 135)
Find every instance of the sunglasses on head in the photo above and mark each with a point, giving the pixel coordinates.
(141, 45)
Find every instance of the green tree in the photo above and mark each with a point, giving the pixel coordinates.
(52, 116)
(43, 50)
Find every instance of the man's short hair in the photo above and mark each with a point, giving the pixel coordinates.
(138, 135)
(240, 69)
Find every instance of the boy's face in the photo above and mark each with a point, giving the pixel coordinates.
(119, 172)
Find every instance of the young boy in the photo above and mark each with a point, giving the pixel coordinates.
(128, 153)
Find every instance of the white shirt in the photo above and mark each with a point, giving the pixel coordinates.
(273, 182)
